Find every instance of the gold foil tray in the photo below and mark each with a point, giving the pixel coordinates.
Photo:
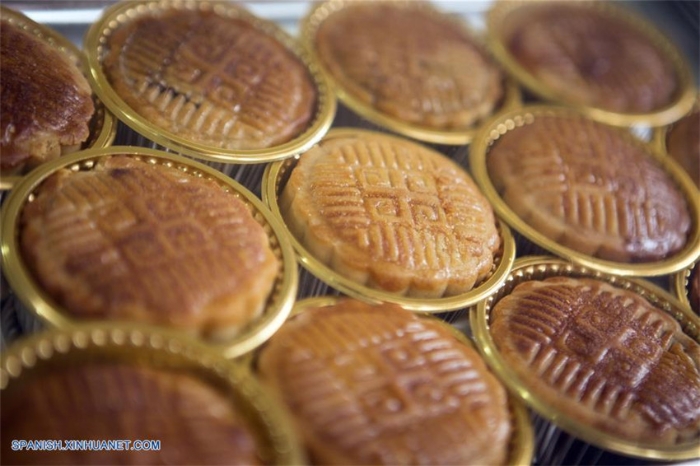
(507, 121)
(127, 11)
(103, 125)
(322, 10)
(498, 34)
(274, 180)
(522, 441)
(109, 343)
(539, 268)
(680, 285)
(38, 302)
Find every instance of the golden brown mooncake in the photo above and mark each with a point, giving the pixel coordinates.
(604, 356)
(591, 188)
(131, 240)
(45, 101)
(194, 422)
(391, 214)
(591, 57)
(379, 385)
(409, 62)
(683, 144)
(210, 79)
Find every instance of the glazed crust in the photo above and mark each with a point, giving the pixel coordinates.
(603, 356)
(436, 76)
(589, 187)
(591, 58)
(222, 83)
(137, 241)
(391, 214)
(194, 422)
(45, 101)
(378, 385)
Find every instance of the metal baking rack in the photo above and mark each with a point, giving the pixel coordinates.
(553, 446)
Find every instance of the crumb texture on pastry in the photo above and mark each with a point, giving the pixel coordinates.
(378, 385)
(45, 101)
(210, 79)
(604, 356)
(409, 63)
(589, 187)
(591, 58)
(391, 214)
(140, 241)
(194, 422)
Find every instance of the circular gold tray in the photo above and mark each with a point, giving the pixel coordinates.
(310, 25)
(539, 268)
(274, 180)
(40, 304)
(507, 121)
(124, 12)
(680, 285)
(109, 343)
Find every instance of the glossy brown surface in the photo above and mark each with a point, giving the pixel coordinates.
(139, 241)
(603, 356)
(391, 214)
(434, 76)
(590, 187)
(210, 79)
(683, 144)
(45, 101)
(379, 385)
(194, 422)
(592, 58)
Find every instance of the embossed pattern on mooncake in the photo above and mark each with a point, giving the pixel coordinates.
(409, 63)
(210, 79)
(592, 58)
(378, 385)
(391, 214)
(195, 423)
(589, 187)
(604, 356)
(138, 241)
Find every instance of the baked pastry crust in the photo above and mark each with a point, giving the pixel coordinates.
(210, 79)
(139, 241)
(45, 101)
(589, 187)
(195, 423)
(604, 356)
(683, 144)
(436, 76)
(694, 289)
(590, 57)
(391, 214)
(379, 385)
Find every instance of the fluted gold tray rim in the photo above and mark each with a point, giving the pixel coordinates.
(539, 267)
(270, 190)
(159, 348)
(522, 444)
(103, 125)
(320, 10)
(506, 121)
(680, 285)
(125, 11)
(41, 305)
(683, 101)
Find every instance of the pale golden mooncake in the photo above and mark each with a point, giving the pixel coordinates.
(591, 188)
(683, 144)
(210, 79)
(131, 240)
(378, 385)
(604, 356)
(45, 101)
(590, 57)
(391, 214)
(409, 62)
(194, 422)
